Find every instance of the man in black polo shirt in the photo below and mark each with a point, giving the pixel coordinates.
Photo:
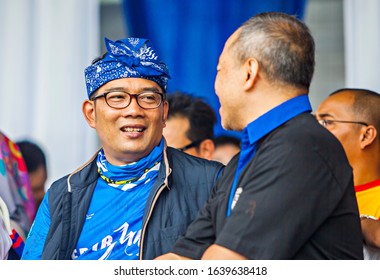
(289, 194)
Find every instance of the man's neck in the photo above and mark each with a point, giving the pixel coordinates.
(265, 98)
(367, 169)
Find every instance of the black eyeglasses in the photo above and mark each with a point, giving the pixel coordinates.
(326, 123)
(122, 99)
(191, 145)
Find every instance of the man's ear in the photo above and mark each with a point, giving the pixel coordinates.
(251, 68)
(165, 113)
(88, 109)
(206, 149)
(367, 136)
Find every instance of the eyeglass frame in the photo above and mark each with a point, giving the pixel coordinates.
(191, 145)
(325, 122)
(130, 98)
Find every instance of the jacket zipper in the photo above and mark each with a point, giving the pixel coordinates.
(165, 184)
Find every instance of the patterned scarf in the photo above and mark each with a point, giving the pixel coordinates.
(133, 174)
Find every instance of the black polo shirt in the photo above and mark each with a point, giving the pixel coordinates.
(298, 201)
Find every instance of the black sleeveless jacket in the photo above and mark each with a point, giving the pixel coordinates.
(181, 189)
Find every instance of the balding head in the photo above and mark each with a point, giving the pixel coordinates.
(353, 116)
(364, 104)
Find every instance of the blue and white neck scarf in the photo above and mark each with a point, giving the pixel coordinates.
(113, 223)
(130, 175)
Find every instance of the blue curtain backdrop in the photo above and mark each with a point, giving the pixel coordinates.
(189, 36)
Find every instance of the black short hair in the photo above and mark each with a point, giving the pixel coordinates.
(201, 116)
(366, 104)
(226, 139)
(33, 155)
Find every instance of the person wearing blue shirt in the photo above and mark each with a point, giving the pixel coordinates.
(289, 193)
(135, 196)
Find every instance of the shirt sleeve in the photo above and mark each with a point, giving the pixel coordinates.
(38, 232)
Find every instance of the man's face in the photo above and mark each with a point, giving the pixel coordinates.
(339, 107)
(227, 86)
(37, 183)
(175, 134)
(128, 134)
(224, 153)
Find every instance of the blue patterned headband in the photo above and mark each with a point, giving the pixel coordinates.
(127, 58)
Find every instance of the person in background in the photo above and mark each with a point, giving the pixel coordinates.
(11, 242)
(15, 187)
(353, 116)
(5, 239)
(35, 161)
(17, 205)
(226, 147)
(190, 125)
(289, 194)
(135, 196)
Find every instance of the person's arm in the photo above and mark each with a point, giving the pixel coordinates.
(214, 252)
(171, 256)
(36, 238)
(217, 252)
(371, 231)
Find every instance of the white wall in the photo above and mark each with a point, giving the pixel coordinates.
(362, 43)
(325, 20)
(347, 39)
(45, 46)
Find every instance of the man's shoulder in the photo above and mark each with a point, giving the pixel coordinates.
(304, 131)
(302, 124)
(176, 156)
(304, 143)
(182, 163)
(303, 137)
(83, 175)
(195, 175)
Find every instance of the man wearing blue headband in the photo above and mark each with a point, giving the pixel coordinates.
(136, 196)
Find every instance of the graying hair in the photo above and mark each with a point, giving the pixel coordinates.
(283, 46)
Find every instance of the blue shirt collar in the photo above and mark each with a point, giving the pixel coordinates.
(277, 116)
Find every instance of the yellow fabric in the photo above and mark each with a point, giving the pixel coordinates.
(368, 199)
